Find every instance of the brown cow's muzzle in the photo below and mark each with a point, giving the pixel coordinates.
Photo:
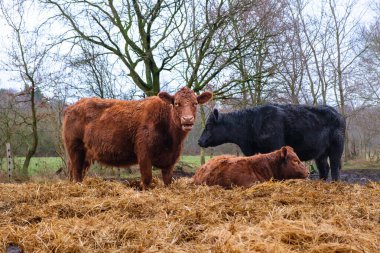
(187, 122)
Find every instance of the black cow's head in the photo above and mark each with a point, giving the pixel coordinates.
(215, 131)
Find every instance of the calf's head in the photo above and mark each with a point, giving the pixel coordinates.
(185, 103)
(215, 131)
(290, 165)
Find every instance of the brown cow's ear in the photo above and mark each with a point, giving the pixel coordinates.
(283, 153)
(204, 97)
(166, 97)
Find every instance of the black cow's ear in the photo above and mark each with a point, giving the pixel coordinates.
(216, 114)
(166, 97)
(283, 153)
(204, 97)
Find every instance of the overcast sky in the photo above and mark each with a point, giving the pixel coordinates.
(362, 10)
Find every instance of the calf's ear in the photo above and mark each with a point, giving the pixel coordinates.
(166, 97)
(283, 152)
(204, 97)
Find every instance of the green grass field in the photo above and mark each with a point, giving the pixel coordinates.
(37, 164)
(45, 167)
(192, 159)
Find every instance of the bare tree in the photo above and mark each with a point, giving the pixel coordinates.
(289, 58)
(140, 33)
(345, 51)
(26, 58)
(368, 81)
(313, 50)
(8, 119)
(213, 44)
(96, 71)
(255, 65)
(365, 134)
(210, 47)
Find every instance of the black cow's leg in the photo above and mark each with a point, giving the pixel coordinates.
(327, 170)
(335, 155)
(335, 167)
(323, 167)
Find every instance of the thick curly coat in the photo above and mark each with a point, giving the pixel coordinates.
(229, 171)
(122, 133)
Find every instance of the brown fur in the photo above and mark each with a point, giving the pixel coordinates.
(121, 133)
(228, 171)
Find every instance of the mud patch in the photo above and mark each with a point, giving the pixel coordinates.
(359, 176)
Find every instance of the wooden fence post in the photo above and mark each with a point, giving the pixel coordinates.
(9, 161)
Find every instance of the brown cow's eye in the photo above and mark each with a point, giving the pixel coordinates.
(195, 104)
(176, 104)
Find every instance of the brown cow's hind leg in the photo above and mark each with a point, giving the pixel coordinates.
(167, 175)
(146, 173)
(78, 168)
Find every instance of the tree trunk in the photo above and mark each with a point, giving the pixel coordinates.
(203, 122)
(32, 149)
(346, 147)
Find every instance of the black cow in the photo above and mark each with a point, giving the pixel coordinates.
(314, 132)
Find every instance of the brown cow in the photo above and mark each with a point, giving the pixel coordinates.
(121, 133)
(228, 171)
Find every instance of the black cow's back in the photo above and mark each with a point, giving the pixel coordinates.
(311, 130)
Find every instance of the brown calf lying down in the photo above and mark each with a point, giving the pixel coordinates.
(121, 133)
(228, 171)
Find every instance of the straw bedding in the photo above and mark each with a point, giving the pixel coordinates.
(104, 216)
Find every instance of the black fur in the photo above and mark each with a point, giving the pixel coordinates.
(314, 132)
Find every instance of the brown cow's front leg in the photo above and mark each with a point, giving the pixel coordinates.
(71, 170)
(146, 173)
(167, 175)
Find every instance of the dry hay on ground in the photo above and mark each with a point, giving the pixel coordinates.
(103, 216)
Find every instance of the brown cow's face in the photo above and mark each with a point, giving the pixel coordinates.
(185, 103)
(291, 165)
